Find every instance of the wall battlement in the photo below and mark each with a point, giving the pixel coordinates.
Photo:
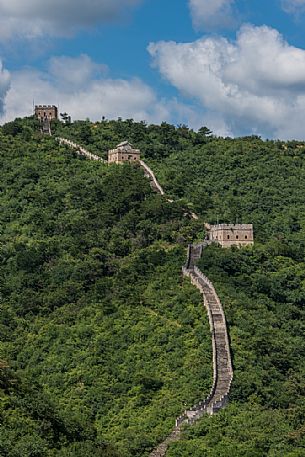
(43, 112)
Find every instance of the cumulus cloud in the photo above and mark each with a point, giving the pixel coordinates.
(207, 14)
(293, 6)
(4, 85)
(80, 87)
(34, 18)
(255, 84)
(75, 72)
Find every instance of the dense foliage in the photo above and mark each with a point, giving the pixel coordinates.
(106, 341)
(95, 318)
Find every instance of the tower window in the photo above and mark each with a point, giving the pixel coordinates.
(228, 237)
(237, 237)
(246, 237)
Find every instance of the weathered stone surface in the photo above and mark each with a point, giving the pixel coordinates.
(228, 235)
(124, 152)
(49, 112)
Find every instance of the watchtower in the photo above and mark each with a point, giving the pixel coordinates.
(124, 152)
(43, 112)
(228, 235)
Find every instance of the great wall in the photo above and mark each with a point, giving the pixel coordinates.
(80, 150)
(222, 364)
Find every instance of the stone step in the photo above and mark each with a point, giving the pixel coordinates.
(221, 346)
(218, 318)
(221, 365)
(222, 361)
(223, 381)
(221, 352)
(220, 335)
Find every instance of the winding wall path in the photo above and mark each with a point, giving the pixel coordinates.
(80, 150)
(222, 364)
(150, 175)
(155, 184)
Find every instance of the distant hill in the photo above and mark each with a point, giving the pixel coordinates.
(103, 344)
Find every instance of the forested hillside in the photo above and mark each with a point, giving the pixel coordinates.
(102, 342)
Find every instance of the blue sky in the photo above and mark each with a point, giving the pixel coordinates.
(235, 66)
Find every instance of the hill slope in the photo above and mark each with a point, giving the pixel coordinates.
(94, 309)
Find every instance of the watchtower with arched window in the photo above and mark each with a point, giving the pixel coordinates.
(228, 235)
(124, 152)
(43, 112)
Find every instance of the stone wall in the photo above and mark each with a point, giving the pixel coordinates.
(79, 149)
(222, 364)
(150, 175)
(120, 157)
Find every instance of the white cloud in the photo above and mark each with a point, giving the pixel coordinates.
(34, 18)
(293, 6)
(256, 84)
(75, 72)
(209, 14)
(4, 85)
(79, 86)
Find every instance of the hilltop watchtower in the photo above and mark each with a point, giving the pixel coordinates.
(43, 112)
(124, 152)
(228, 235)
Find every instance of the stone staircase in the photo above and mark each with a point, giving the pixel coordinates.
(194, 253)
(222, 365)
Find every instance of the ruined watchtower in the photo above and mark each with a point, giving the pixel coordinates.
(43, 112)
(124, 152)
(228, 235)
